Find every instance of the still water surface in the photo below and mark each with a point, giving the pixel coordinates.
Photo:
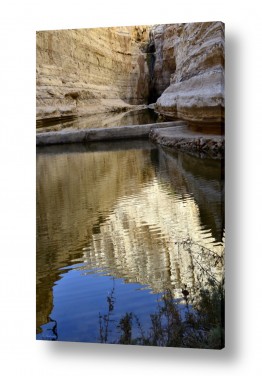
(121, 215)
(102, 120)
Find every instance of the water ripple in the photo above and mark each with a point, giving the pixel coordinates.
(139, 215)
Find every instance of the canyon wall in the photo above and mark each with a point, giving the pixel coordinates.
(189, 67)
(88, 71)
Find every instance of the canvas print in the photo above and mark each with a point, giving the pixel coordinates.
(130, 185)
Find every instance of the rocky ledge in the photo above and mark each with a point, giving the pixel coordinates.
(100, 134)
(185, 139)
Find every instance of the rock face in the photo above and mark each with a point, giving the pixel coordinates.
(88, 71)
(191, 56)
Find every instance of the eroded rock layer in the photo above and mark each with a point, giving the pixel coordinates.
(88, 71)
(195, 53)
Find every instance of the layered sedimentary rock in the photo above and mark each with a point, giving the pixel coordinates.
(90, 70)
(195, 53)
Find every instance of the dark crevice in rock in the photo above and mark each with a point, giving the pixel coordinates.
(151, 59)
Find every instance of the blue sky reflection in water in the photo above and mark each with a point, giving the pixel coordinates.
(120, 214)
(79, 298)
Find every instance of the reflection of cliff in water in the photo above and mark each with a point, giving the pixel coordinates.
(101, 120)
(133, 210)
(156, 237)
(202, 178)
(74, 190)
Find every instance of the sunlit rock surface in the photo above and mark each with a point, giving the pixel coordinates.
(191, 56)
(86, 71)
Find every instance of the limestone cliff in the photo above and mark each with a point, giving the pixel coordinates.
(88, 71)
(191, 57)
